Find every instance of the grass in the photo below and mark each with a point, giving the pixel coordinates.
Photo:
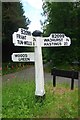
(19, 101)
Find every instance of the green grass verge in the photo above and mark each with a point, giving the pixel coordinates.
(19, 101)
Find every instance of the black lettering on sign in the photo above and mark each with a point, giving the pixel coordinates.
(65, 43)
(58, 35)
(20, 36)
(27, 43)
(44, 44)
(20, 42)
(52, 35)
(25, 32)
(46, 40)
(67, 39)
(55, 39)
(58, 43)
(16, 55)
(21, 55)
(50, 40)
(47, 44)
(24, 59)
(55, 43)
(50, 44)
(61, 39)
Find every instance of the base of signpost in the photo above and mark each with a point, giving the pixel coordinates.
(39, 92)
(40, 98)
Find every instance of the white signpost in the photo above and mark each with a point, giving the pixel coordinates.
(25, 38)
(39, 74)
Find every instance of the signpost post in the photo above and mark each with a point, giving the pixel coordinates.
(25, 38)
(39, 74)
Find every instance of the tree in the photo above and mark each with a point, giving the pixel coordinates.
(12, 19)
(63, 17)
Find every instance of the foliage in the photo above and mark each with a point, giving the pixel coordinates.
(12, 67)
(63, 17)
(64, 66)
(19, 101)
(12, 19)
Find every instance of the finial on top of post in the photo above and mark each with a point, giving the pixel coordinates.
(37, 33)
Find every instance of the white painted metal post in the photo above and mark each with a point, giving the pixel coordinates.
(39, 74)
